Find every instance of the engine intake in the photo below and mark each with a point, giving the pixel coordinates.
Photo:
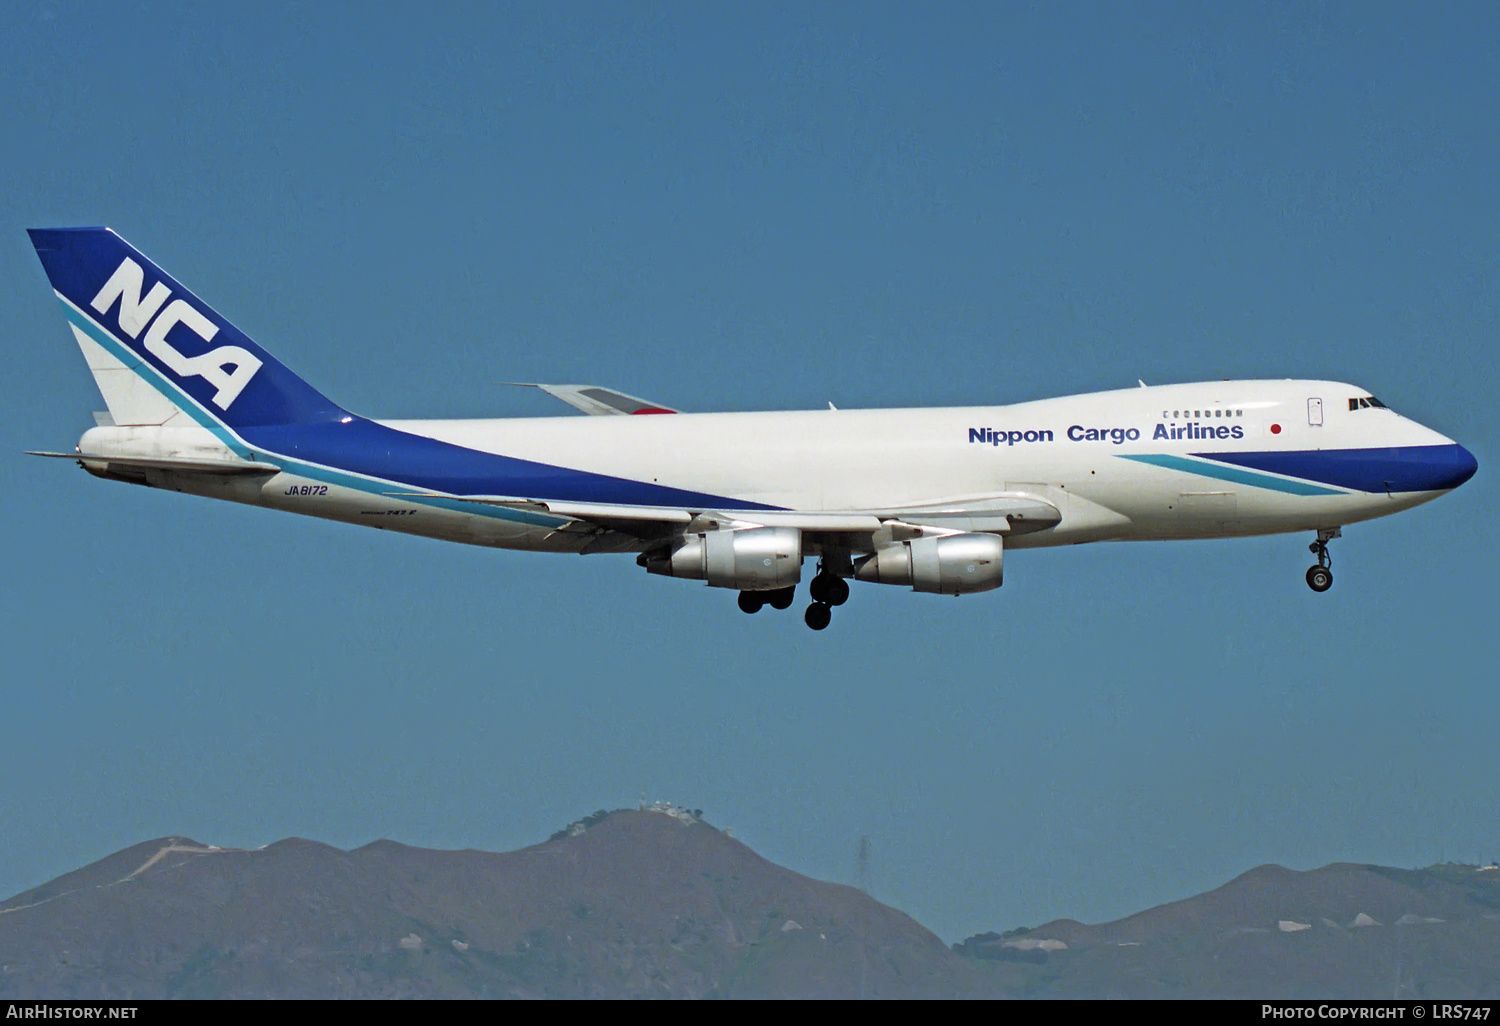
(956, 564)
(753, 559)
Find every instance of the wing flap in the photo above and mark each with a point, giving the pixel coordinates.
(1006, 513)
(576, 510)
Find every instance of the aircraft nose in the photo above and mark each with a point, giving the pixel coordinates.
(1450, 466)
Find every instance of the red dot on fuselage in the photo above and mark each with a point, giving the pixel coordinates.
(1275, 429)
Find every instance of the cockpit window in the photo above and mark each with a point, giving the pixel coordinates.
(1367, 402)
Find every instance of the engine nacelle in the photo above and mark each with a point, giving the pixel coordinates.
(956, 564)
(754, 559)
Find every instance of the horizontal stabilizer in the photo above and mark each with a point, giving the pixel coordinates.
(167, 463)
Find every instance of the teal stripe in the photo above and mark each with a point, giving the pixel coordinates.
(237, 445)
(1222, 473)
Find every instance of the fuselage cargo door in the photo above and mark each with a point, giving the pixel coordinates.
(1315, 412)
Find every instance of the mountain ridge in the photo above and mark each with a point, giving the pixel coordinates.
(638, 904)
(657, 903)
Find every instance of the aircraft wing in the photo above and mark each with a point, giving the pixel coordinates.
(597, 401)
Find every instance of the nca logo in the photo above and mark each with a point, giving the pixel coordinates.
(135, 313)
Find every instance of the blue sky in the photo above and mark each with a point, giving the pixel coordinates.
(766, 207)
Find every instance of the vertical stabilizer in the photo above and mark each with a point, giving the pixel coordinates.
(157, 351)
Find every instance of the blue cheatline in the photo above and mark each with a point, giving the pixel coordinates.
(1404, 468)
(1223, 473)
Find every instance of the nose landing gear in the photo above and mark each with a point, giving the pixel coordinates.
(1320, 577)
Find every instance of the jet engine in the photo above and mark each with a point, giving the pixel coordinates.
(753, 559)
(955, 564)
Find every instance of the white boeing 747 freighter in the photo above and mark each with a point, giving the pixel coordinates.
(926, 498)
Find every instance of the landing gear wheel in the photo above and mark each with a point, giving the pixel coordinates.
(817, 588)
(838, 592)
(818, 616)
(1320, 577)
(751, 601)
(781, 599)
(829, 590)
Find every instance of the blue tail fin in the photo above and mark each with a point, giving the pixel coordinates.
(150, 339)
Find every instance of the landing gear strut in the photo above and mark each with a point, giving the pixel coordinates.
(1320, 577)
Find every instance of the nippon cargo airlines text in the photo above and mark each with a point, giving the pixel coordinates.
(738, 501)
(1116, 435)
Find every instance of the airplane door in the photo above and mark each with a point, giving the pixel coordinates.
(1315, 412)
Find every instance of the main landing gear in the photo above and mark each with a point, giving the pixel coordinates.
(782, 598)
(1320, 577)
(826, 591)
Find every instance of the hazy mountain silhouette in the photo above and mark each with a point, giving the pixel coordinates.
(659, 904)
(639, 904)
(1345, 930)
